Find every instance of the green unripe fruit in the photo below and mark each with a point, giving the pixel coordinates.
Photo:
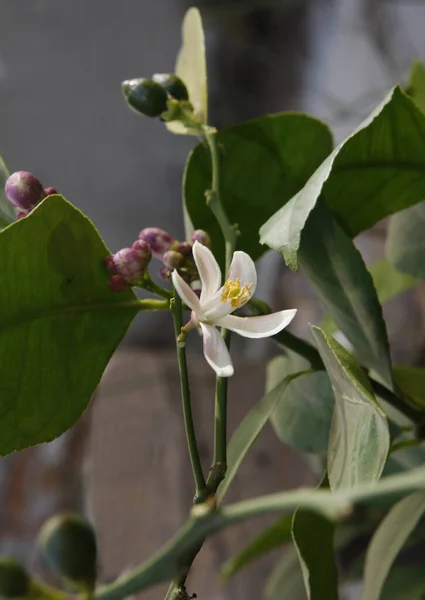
(14, 580)
(173, 85)
(68, 545)
(145, 96)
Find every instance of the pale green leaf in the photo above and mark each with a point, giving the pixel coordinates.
(359, 438)
(405, 245)
(417, 84)
(286, 580)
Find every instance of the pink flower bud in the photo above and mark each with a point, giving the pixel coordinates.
(130, 264)
(164, 273)
(24, 190)
(158, 239)
(172, 259)
(48, 191)
(143, 248)
(21, 215)
(201, 236)
(109, 264)
(117, 283)
(184, 248)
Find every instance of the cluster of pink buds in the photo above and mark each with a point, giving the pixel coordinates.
(127, 267)
(25, 191)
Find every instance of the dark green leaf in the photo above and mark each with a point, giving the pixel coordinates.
(271, 538)
(7, 211)
(314, 538)
(59, 323)
(247, 432)
(359, 439)
(376, 171)
(417, 84)
(336, 270)
(264, 163)
(405, 246)
(387, 542)
(411, 381)
(303, 414)
(404, 582)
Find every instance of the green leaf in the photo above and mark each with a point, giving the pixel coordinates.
(388, 540)
(404, 582)
(335, 269)
(191, 67)
(411, 382)
(378, 170)
(271, 538)
(264, 163)
(417, 84)
(359, 439)
(405, 245)
(7, 211)
(247, 432)
(286, 580)
(314, 539)
(59, 322)
(303, 414)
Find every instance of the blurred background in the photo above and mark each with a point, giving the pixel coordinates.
(62, 116)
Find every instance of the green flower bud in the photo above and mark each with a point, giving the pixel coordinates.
(14, 580)
(145, 96)
(68, 544)
(173, 85)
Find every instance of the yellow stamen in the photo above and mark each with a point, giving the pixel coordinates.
(236, 295)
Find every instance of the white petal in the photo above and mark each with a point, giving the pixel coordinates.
(216, 352)
(243, 267)
(186, 293)
(209, 271)
(258, 327)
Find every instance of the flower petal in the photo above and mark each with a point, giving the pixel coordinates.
(258, 327)
(209, 271)
(243, 268)
(216, 352)
(186, 293)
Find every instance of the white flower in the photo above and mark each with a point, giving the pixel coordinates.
(216, 303)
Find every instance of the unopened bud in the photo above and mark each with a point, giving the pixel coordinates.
(109, 264)
(49, 191)
(201, 236)
(184, 248)
(68, 544)
(117, 283)
(173, 259)
(164, 273)
(21, 215)
(173, 85)
(145, 96)
(158, 239)
(14, 580)
(130, 264)
(143, 248)
(24, 190)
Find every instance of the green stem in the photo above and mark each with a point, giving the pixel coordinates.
(150, 286)
(47, 592)
(201, 487)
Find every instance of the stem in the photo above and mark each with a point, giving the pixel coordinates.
(47, 592)
(201, 487)
(150, 286)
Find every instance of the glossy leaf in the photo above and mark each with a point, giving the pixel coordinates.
(247, 432)
(7, 211)
(191, 67)
(411, 381)
(314, 538)
(335, 269)
(387, 542)
(264, 163)
(271, 538)
(59, 322)
(303, 415)
(378, 170)
(405, 245)
(359, 438)
(416, 88)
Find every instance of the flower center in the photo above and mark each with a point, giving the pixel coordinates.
(235, 294)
